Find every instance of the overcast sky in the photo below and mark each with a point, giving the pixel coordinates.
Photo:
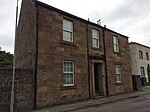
(128, 17)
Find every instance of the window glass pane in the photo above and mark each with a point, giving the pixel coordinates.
(65, 67)
(115, 48)
(117, 69)
(67, 25)
(67, 30)
(115, 40)
(67, 36)
(95, 38)
(64, 25)
(118, 77)
(116, 45)
(95, 34)
(68, 78)
(65, 78)
(118, 73)
(95, 43)
(68, 67)
(68, 73)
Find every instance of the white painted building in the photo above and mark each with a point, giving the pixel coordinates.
(140, 60)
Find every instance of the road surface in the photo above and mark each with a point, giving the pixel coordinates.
(138, 104)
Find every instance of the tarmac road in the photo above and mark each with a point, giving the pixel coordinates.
(138, 101)
(138, 104)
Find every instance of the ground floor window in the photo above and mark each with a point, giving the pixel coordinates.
(118, 73)
(68, 73)
(142, 72)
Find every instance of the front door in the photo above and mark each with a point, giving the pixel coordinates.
(98, 79)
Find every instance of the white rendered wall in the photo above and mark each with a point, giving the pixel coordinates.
(137, 63)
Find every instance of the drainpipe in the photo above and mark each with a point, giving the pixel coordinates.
(106, 78)
(88, 60)
(36, 58)
(14, 64)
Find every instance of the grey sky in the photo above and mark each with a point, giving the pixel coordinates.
(128, 17)
(7, 21)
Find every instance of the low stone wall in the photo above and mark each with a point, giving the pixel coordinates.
(23, 89)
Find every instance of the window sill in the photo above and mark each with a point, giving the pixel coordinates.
(119, 83)
(68, 43)
(95, 48)
(117, 53)
(68, 87)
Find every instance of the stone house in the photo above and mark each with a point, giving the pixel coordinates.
(140, 61)
(71, 58)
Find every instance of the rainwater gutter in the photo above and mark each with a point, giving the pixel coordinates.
(36, 58)
(105, 54)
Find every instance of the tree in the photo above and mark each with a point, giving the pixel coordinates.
(6, 59)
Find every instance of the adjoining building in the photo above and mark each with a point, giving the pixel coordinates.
(140, 61)
(71, 58)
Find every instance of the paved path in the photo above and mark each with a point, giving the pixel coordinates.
(120, 102)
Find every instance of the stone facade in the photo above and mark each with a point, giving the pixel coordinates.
(26, 33)
(52, 51)
(23, 89)
(49, 51)
(122, 58)
(137, 63)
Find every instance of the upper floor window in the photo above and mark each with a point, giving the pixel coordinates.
(95, 38)
(68, 73)
(67, 30)
(140, 54)
(118, 73)
(147, 56)
(116, 43)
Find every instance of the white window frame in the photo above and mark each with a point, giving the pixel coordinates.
(116, 43)
(68, 72)
(95, 38)
(118, 73)
(67, 30)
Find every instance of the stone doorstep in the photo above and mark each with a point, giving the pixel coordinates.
(92, 102)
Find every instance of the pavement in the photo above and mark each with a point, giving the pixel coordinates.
(94, 102)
